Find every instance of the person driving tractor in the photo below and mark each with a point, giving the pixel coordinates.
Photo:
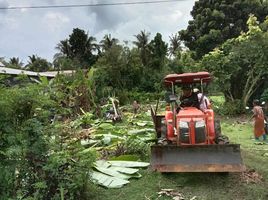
(188, 97)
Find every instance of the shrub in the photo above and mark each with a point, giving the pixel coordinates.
(264, 96)
(38, 159)
(232, 108)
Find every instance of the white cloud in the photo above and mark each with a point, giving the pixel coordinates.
(37, 31)
(54, 21)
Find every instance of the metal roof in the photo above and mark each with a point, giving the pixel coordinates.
(49, 74)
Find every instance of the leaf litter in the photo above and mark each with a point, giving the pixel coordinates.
(251, 176)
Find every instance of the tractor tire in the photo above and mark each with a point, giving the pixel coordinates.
(219, 137)
(163, 138)
(217, 127)
(223, 139)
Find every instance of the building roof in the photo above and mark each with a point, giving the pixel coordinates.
(49, 74)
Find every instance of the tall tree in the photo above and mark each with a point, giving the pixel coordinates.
(64, 48)
(175, 45)
(107, 42)
(158, 49)
(142, 43)
(215, 21)
(241, 64)
(79, 47)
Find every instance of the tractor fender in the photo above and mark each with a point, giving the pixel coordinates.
(169, 124)
(210, 125)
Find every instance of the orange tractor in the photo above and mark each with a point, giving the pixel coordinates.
(192, 139)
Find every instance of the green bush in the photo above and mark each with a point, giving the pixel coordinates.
(145, 97)
(38, 159)
(231, 108)
(264, 96)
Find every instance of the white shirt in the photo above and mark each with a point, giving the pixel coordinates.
(204, 103)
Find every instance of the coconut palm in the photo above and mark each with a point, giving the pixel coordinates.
(142, 43)
(64, 48)
(107, 42)
(15, 63)
(175, 45)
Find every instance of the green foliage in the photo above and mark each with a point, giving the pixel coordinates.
(142, 43)
(144, 97)
(264, 96)
(137, 147)
(38, 64)
(74, 92)
(68, 170)
(64, 63)
(38, 158)
(240, 64)
(216, 21)
(107, 42)
(231, 108)
(184, 62)
(158, 52)
(23, 145)
(14, 63)
(175, 45)
(79, 47)
(120, 69)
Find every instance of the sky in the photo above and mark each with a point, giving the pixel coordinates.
(25, 32)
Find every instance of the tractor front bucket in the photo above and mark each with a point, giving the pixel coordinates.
(197, 158)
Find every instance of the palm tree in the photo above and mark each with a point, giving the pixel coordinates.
(15, 63)
(64, 48)
(91, 45)
(107, 42)
(37, 64)
(32, 59)
(175, 45)
(142, 43)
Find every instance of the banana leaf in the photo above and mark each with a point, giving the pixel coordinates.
(125, 170)
(128, 164)
(113, 173)
(102, 163)
(141, 123)
(88, 142)
(107, 181)
(106, 126)
(141, 131)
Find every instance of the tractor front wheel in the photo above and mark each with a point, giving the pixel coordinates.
(219, 137)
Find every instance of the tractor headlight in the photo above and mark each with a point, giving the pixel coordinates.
(183, 124)
(200, 124)
(200, 131)
(184, 132)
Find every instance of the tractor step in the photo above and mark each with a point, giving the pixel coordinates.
(197, 158)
